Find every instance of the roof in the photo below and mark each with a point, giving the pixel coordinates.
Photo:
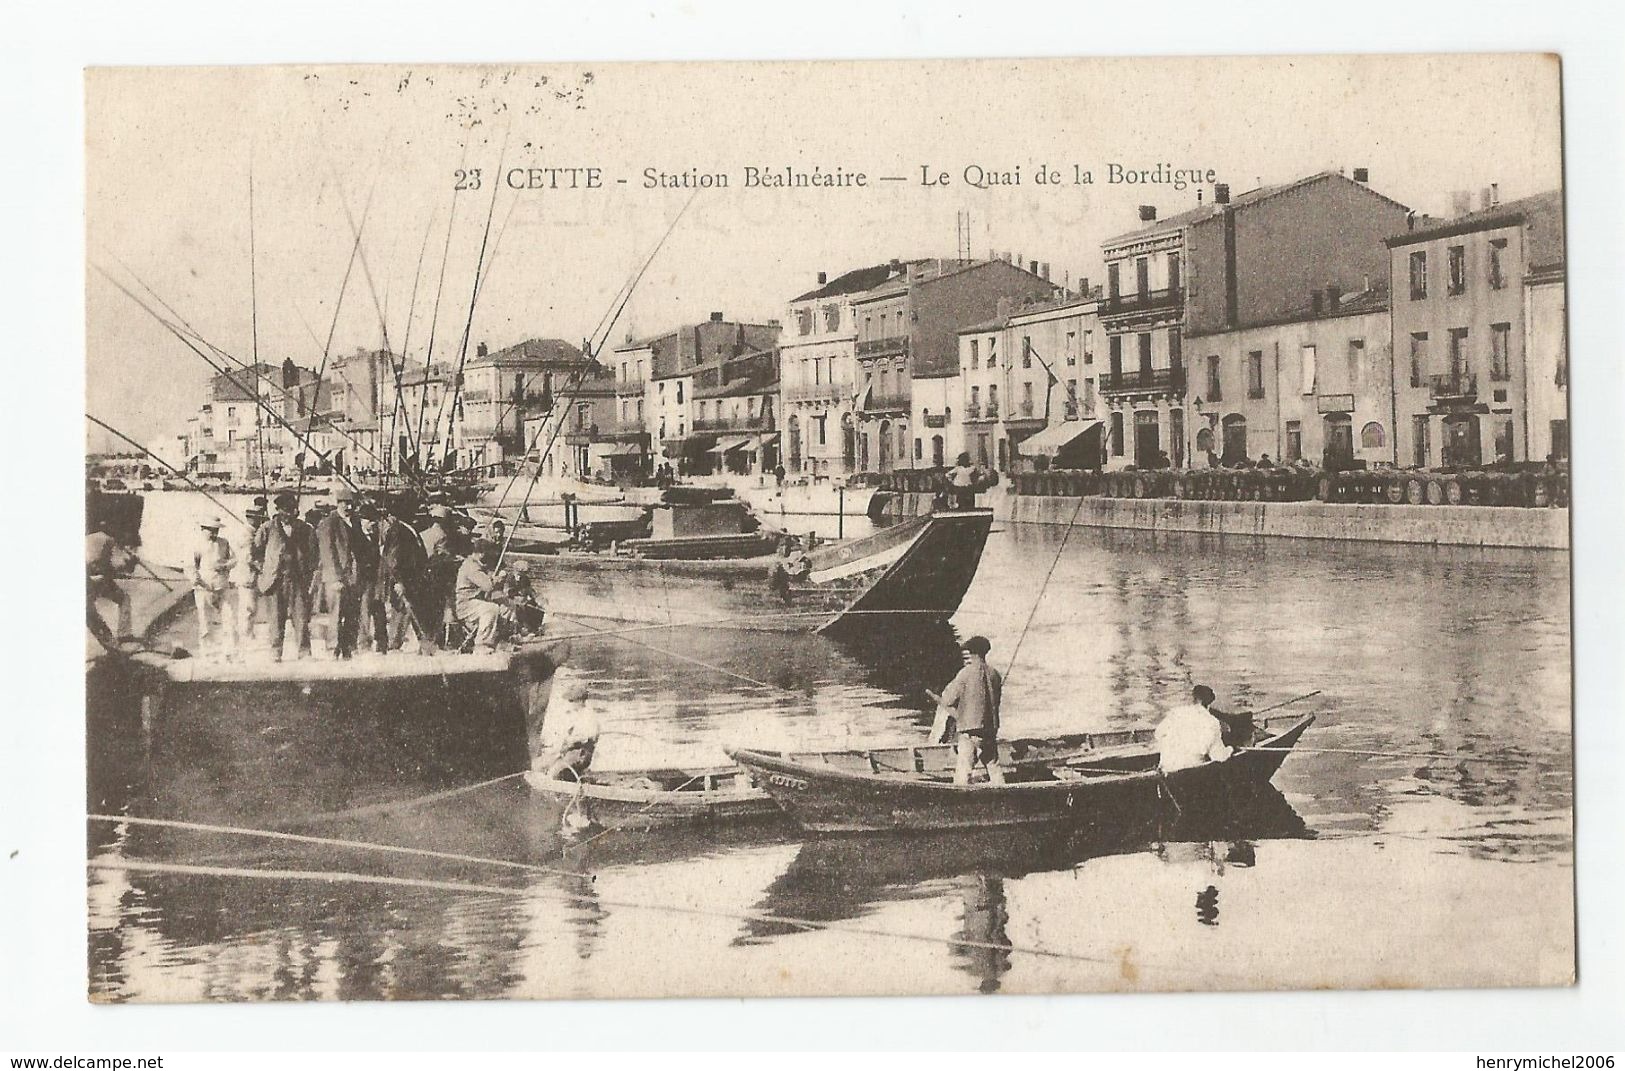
(1036, 308)
(1241, 200)
(1353, 304)
(856, 281)
(1541, 214)
(532, 349)
(903, 282)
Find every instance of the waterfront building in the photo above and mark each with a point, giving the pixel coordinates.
(1233, 263)
(675, 361)
(1315, 384)
(233, 435)
(500, 389)
(908, 327)
(818, 370)
(1478, 334)
(736, 401)
(1030, 369)
(575, 434)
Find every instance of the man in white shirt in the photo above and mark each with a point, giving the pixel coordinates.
(1190, 735)
(209, 568)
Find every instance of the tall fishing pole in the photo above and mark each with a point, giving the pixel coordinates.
(608, 326)
(254, 321)
(172, 468)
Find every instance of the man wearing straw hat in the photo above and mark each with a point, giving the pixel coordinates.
(209, 568)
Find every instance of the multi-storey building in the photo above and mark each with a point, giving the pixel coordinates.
(907, 328)
(234, 434)
(1234, 263)
(499, 390)
(736, 401)
(1477, 334)
(677, 362)
(1315, 383)
(1029, 369)
(818, 369)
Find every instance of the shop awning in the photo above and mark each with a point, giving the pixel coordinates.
(725, 446)
(1052, 439)
(770, 438)
(617, 449)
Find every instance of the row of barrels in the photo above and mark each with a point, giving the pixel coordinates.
(1421, 488)
(1224, 485)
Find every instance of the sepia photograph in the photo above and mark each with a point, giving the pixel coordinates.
(827, 529)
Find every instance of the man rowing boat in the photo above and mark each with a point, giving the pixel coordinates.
(1191, 735)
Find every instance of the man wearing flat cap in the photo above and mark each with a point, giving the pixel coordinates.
(286, 549)
(972, 699)
(480, 599)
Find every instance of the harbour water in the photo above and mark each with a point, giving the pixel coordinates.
(1387, 869)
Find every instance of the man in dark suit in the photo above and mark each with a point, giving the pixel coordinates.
(340, 549)
(285, 547)
(403, 576)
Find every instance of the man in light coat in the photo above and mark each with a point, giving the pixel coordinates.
(339, 540)
(209, 567)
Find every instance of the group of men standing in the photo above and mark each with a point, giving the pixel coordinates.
(362, 571)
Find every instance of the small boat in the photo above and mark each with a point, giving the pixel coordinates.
(832, 793)
(638, 799)
(641, 799)
(695, 568)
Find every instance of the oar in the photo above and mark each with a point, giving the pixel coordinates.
(1287, 703)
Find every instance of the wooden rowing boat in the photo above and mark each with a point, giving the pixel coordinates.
(1097, 785)
(641, 799)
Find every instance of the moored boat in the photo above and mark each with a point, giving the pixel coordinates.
(641, 799)
(919, 570)
(1099, 784)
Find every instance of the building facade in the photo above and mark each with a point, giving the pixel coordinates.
(1224, 266)
(908, 327)
(500, 389)
(1476, 373)
(1317, 384)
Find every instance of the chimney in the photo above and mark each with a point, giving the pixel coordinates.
(823, 277)
(1006, 257)
(1221, 193)
(1362, 174)
(774, 324)
(1083, 285)
(1148, 213)
(1198, 195)
(1032, 267)
(1410, 220)
(1484, 202)
(1334, 298)
(1314, 303)
(1366, 283)
(716, 317)
(1043, 271)
(1461, 202)
(1495, 194)
(481, 350)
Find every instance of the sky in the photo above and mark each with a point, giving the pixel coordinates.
(328, 153)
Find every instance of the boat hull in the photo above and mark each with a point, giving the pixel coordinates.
(723, 795)
(918, 570)
(826, 799)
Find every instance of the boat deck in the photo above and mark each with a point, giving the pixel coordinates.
(371, 667)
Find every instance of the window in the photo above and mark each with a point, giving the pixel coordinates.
(1371, 437)
(1071, 349)
(1071, 399)
(1255, 374)
(975, 401)
(992, 352)
(820, 421)
(975, 353)
(1458, 270)
(1419, 441)
(1026, 351)
(679, 392)
(993, 400)
(1500, 341)
(1560, 438)
(1419, 275)
(1458, 351)
(1419, 356)
(1089, 395)
(1144, 341)
(1294, 440)
(1176, 348)
(1498, 275)
(832, 317)
(1027, 398)
(1308, 368)
(1173, 271)
(1142, 276)
(1088, 347)
(1356, 357)
(804, 321)
(1114, 287)
(919, 449)
(1176, 436)
(1213, 392)
(1114, 346)
(1117, 435)
(1503, 440)
(231, 412)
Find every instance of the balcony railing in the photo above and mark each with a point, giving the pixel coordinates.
(887, 403)
(1023, 411)
(1168, 379)
(1137, 302)
(883, 347)
(760, 422)
(818, 392)
(630, 386)
(936, 420)
(1453, 385)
